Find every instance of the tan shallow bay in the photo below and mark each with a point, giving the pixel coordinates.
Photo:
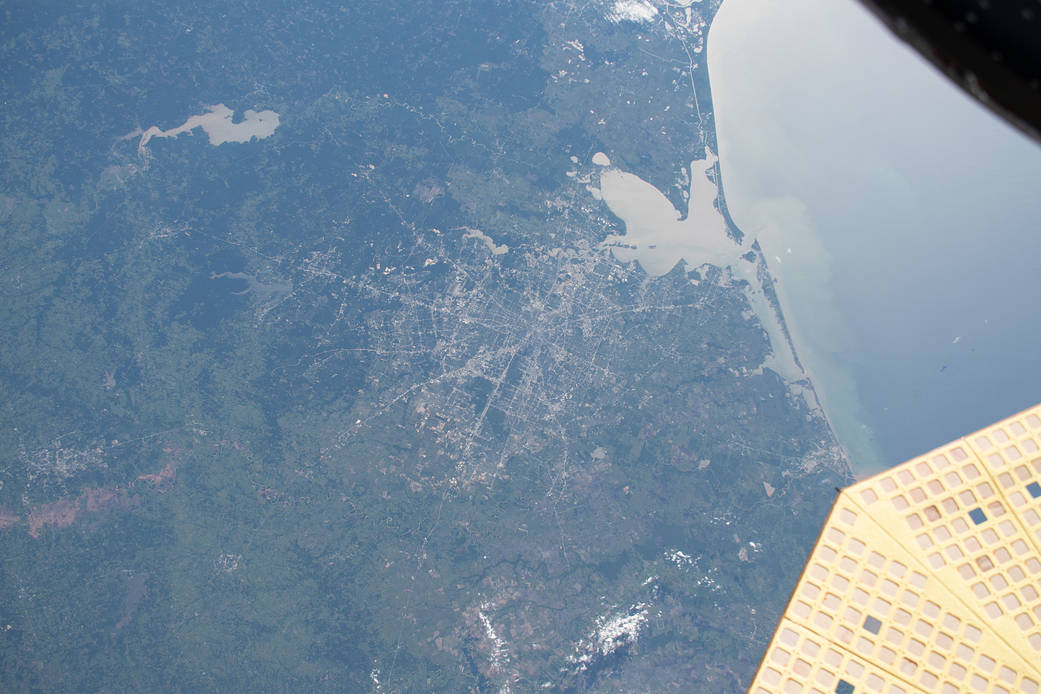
(656, 234)
(658, 237)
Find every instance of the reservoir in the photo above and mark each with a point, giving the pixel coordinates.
(899, 219)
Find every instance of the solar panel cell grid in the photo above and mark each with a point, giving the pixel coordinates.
(930, 574)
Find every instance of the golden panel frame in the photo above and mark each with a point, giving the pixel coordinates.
(925, 578)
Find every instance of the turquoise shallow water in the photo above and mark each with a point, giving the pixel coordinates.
(900, 219)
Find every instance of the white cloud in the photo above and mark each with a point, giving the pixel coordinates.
(633, 11)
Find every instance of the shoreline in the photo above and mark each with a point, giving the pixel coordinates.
(772, 295)
(658, 236)
(797, 266)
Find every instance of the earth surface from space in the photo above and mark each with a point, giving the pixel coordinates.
(396, 346)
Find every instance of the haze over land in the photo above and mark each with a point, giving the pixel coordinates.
(370, 396)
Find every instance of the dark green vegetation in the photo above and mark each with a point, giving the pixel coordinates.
(275, 417)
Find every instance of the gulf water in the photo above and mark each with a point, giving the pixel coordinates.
(902, 222)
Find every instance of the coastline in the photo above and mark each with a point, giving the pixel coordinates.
(659, 236)
(796, 266)
(771, 292)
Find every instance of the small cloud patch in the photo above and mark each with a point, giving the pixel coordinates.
(632, 11)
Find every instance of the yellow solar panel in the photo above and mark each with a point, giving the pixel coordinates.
(925, 578)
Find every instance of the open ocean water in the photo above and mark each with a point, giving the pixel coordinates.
(900, 219)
